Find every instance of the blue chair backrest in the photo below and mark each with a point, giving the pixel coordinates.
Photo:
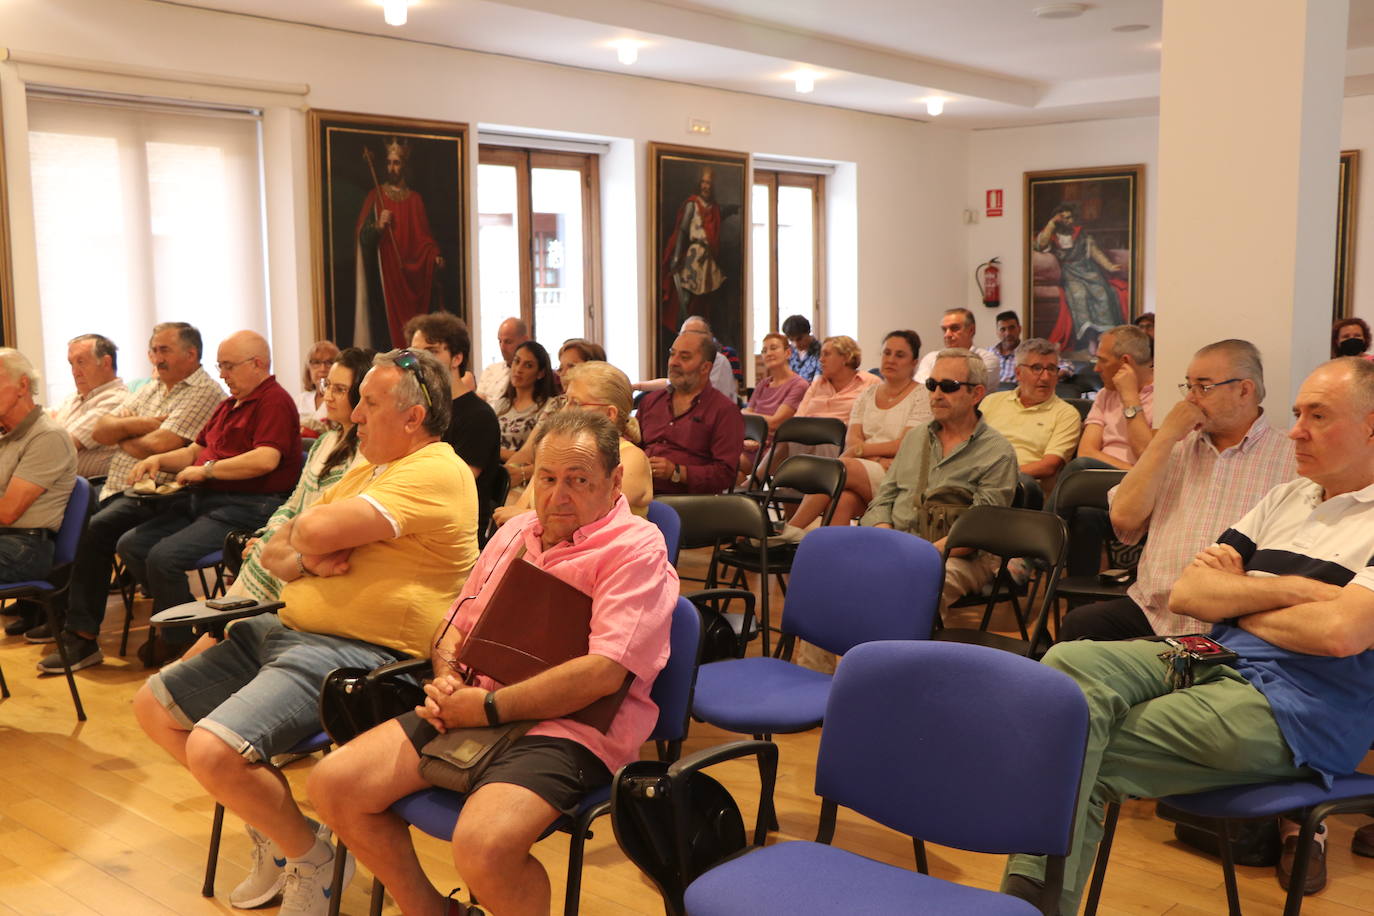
(73, 523)
(854, 585)
(668, 522)
(957, 744)
(672, 690)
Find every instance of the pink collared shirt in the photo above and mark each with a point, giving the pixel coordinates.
(621, 561)
(1203, 492)
(1108, 411)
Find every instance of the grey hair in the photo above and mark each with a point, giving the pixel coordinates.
(577, 423)
(101, 347)
(1244, 358)
(1361, 379)
(708, 345)
(970, 320)
(1129, 340)
(186, 333)
(18, 366)
(1037, 346)
(977, 369)
(438, 405)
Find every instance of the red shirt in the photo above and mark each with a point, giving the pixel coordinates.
(706, 439)
(267, 415)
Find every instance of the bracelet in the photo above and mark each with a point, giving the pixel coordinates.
(489, 705)
(300, 565)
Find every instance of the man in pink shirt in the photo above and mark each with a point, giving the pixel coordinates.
(582, 532)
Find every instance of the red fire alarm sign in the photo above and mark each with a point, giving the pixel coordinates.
(994, 202)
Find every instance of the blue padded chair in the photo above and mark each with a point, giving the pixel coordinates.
(1305, 799)
(849, 586)
(74, 519)
(960, 745)
(212, 560)
(435, 811)
(668, 522)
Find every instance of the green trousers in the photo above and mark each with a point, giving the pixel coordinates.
(1147, 740)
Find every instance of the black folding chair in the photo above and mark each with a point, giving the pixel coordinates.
(1037, 537)
(1087, 489)
(810, 431)
(717, 521)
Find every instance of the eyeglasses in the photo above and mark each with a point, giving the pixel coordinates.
(225, 367)
(575, 403)
(409, 360)
(321, 363)
(947, 385)
(1203, 390)
(1039, 370)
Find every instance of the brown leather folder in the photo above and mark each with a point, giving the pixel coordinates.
(532, 622)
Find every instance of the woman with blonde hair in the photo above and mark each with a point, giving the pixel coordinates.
(839, 384)
(601, 387)
(310, 402)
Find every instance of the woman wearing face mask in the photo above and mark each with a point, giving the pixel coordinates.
(1350, 337)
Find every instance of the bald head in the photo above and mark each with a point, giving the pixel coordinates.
(244, 362)
(510, 334)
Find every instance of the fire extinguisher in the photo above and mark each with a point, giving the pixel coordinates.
(988, 277)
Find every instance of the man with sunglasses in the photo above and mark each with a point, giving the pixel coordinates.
(1040, 425)
(369, 570)
(956, 451)
(238, 470)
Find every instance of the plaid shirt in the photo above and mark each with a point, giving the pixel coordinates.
(808, 364)
(1202, 493)
(187, 406)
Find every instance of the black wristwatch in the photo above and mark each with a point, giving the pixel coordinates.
(489, 704)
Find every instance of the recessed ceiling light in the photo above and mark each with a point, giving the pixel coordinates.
(627, 50)
(1134, 27)
(804, 79)
(1061, 10)
(935, 105)
(394, 11)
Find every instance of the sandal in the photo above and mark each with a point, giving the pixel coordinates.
(457, 907)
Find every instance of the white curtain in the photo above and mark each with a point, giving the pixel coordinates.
(144, 214)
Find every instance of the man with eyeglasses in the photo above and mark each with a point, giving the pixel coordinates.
(956, 457)
(1040, 425)
(163, 415)
(238, 470)
(1212, 459)
(369, 570)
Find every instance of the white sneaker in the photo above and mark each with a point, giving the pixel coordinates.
(267, 876)
(307, 888)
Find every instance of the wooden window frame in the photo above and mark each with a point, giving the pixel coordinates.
(773, 180)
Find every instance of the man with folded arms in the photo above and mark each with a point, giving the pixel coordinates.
(582, 532)
(1289, 589)
(99, 390)
(163, 415)
(368, 570)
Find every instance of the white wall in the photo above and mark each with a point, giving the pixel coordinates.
(907, 176)
(997, 159)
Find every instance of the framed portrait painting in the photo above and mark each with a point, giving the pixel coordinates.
(1348, 192)
(389, 205)
(1084, 243)
(699, 225)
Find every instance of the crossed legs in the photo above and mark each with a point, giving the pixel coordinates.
(853, 502)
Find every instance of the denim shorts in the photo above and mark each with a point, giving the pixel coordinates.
(259, 690)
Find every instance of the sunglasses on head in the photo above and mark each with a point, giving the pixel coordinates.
(947, 385)
(410, 361)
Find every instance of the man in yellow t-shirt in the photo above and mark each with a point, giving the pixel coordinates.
(1040, 425)
(370, 570)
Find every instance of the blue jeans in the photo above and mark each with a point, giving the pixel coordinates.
(24, 557)
(160, 551)
(90, 588)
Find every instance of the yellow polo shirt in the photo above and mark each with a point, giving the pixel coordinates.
(1051, 427)
(396, 590)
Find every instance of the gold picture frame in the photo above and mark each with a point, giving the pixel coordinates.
(1347, 206)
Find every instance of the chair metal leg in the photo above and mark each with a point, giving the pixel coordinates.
(66, 662)
(577, 843)
(336, 881)
(126, 595)
(1104, 851)
(212, 859)
(1228, 867)
(4, 688)
(770, 812)
(922, 864)
(378, 897)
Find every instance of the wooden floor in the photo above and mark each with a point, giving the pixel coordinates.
(95, 819)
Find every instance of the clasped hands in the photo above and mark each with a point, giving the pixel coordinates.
(449, 703)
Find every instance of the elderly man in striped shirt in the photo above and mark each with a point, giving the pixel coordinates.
(1211, 460)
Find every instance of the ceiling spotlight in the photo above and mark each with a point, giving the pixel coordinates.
(934, 105)
(627, 50)
(805, 80)
(394, 11)
(1134, 27)
(1061, 10)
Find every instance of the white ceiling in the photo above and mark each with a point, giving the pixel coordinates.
(996, 62)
